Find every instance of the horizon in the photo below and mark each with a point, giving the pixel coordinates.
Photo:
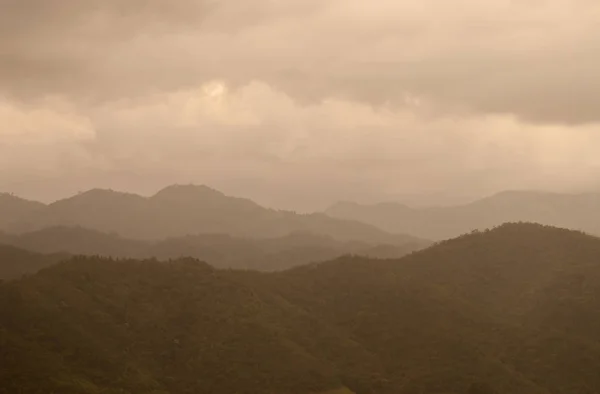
(459, 201)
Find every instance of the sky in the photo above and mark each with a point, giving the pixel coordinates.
(300, 103)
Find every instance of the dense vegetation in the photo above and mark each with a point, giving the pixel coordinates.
(222, 251)
(511, 310)
(576, 212)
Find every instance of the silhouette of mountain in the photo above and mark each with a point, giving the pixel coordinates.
(219, 250)
(577, 212)
(178, 211)
(508, 310)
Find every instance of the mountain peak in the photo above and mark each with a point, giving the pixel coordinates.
(98, 194)
(521, 232)
(190, 190)
(11, 198)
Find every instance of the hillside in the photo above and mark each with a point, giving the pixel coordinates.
(219, 250)
(13, 208)
(116, 327)
(577, 212)
(509, 310)
(15, 262)
(177, 211)
(515, 307)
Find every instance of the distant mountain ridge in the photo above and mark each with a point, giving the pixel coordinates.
(572, 211)
(182, 210)
(219, 250)
(13, 209)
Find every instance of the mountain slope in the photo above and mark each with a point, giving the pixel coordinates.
(15, 262)
(105, 326)
(517, 304)
(513, 310)
(178, 211)
(577, 212)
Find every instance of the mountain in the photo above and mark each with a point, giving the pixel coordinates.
(508, 310)
(177, 211)
(75, 241)
(270, 254)
(577, 212)
(517, 305)
(219, 250)
(130, 327)
(15, 262)
(13, 208)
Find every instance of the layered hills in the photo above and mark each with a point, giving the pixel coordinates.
(178, 211)
(219, 250)
(508, 310)
(572, 211)
(16, 262)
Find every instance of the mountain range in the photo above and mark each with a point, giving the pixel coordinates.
(219, 250)
(572, 211)
(512, 309)
(178, 211)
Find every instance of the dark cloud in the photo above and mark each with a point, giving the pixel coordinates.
(536, 60)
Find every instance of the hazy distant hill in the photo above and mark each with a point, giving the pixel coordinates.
(13, 209)
(75, 241)
(579, 212)
(222, 251)
(15, 262)
(189, 210)
(511, 310)
(269, 254)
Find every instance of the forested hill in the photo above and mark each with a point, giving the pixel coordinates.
(510, 310)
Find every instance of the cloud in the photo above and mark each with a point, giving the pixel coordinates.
(314, 99)
(258, 141)
(533, 59)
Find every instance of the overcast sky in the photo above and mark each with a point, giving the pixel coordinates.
(298, 103)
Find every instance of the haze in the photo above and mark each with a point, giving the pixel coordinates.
(299, 103)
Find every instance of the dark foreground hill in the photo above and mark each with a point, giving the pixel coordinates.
(15, 262)
(221, 251)
(512, 310)
(573, 211)
(178, 211)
